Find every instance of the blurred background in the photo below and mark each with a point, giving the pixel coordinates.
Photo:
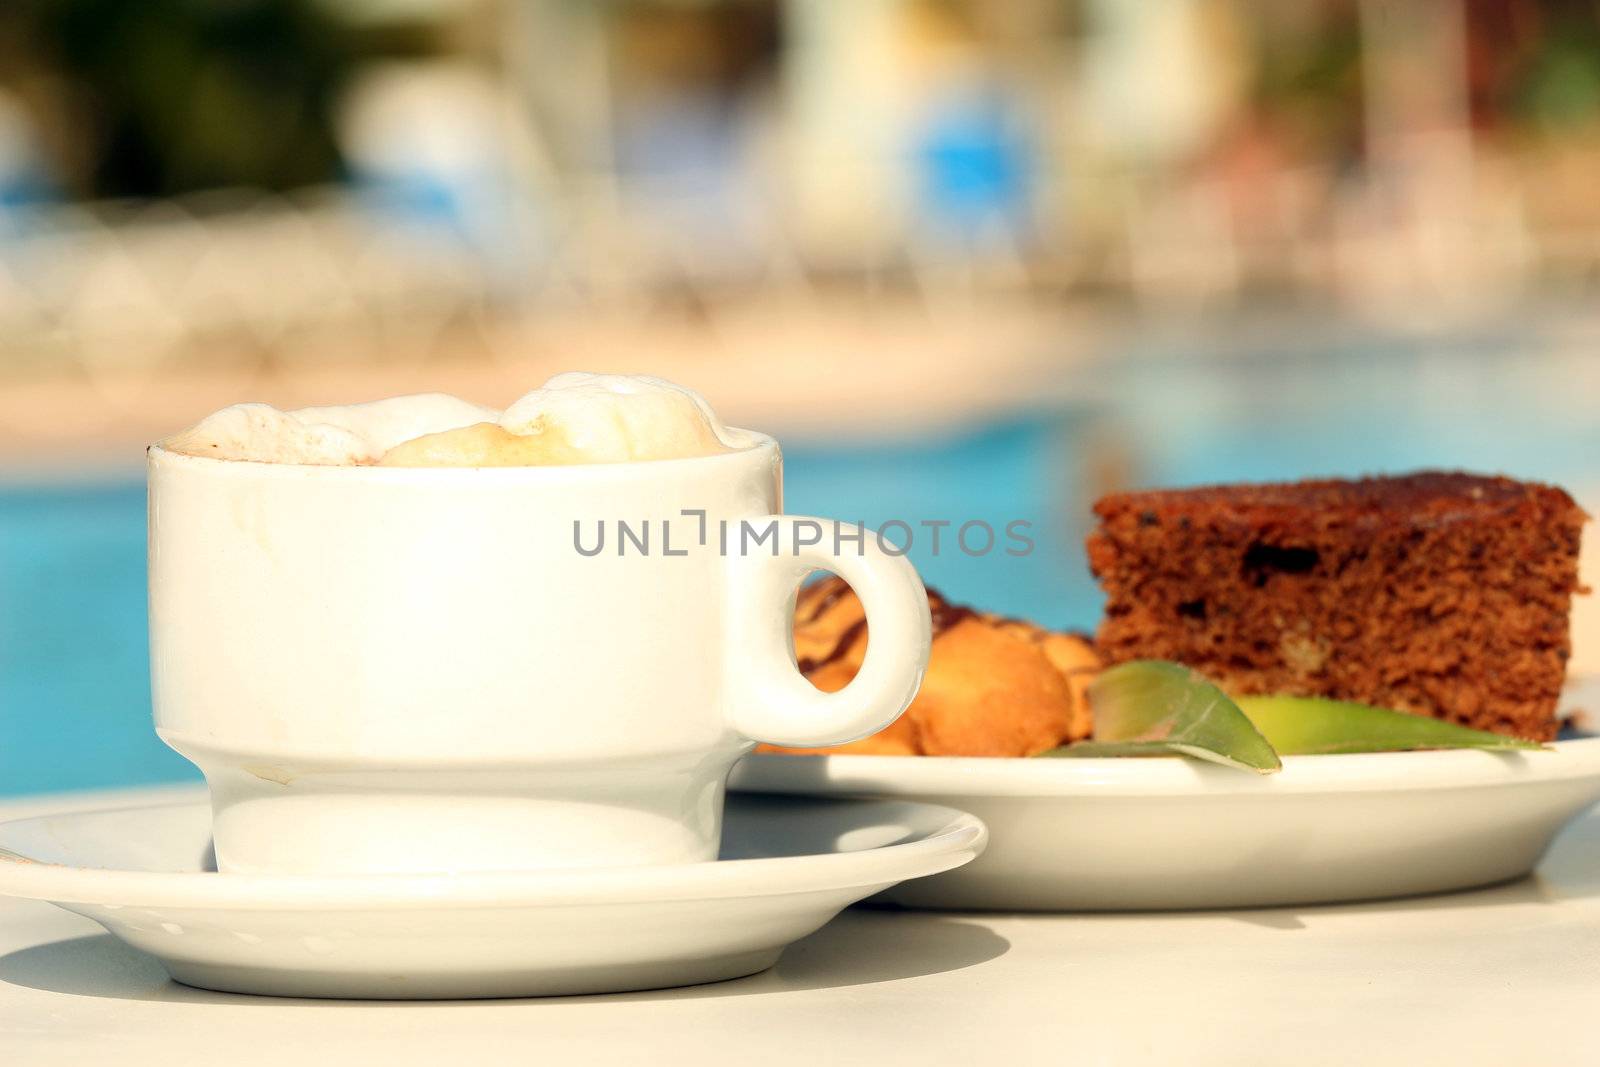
(969, 259)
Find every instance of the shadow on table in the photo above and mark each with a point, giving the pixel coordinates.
(863, 946)
(860, 947)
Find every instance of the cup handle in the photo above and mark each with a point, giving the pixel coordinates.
(769, 699)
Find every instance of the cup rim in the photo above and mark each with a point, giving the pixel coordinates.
(756, 444)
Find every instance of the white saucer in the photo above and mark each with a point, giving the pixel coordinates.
(1115, 834)
(789, 866)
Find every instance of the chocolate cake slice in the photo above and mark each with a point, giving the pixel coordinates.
(1442, 594)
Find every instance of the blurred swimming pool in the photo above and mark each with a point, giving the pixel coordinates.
(74, 682)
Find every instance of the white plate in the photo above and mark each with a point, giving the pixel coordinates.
(789, 866)
(1112, 834)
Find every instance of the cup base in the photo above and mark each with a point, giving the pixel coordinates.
(330, 822)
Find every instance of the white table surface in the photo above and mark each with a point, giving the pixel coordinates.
(1509, 975)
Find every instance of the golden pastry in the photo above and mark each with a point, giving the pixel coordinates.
(994, 687)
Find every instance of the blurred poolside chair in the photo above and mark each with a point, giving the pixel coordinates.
(974, 170)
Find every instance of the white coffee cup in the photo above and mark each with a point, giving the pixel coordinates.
(417, 669)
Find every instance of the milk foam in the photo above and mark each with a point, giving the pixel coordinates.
(351, 434)
(572, 418)
(614, 418)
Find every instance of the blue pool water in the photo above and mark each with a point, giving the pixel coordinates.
(74, 676)
(74, 683)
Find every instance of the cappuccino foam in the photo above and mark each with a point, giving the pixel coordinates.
(573, 418)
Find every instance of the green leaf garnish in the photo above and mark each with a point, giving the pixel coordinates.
(1298, 726)
(1154, 708)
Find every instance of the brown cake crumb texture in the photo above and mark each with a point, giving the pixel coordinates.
(1442, 594)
